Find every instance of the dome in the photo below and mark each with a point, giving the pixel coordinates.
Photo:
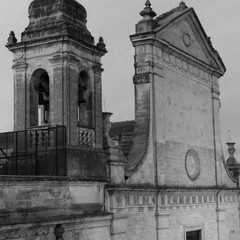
(57, 17)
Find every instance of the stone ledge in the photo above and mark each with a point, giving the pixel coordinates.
(52, 178)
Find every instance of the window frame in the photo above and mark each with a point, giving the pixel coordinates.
(199, 227)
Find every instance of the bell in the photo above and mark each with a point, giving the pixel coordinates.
(81, 98)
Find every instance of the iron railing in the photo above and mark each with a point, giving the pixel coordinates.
(37, 151)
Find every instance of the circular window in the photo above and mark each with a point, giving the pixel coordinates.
(192, 164)
(186, 39)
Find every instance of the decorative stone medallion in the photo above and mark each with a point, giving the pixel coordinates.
(192, 164)
(187, 39)
(19, 55)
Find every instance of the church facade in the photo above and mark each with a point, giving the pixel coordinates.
(67, 172)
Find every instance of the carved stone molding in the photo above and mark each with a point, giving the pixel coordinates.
(59, 59)
(134, 200)
(20, 66)
(141, 78)
(187, 68)
(56, 60)
(56, 49)
(227, 198)
(122, 201)
(19, 56)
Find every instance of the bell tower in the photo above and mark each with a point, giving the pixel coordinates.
(57, 79)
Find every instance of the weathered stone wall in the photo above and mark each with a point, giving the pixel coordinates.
(75, 228)
(184, 116)
(186, 122)
(26, 199)
(169, 214)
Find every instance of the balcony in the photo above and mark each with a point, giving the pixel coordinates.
(34, 152)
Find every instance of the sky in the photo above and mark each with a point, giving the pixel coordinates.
(115, 20)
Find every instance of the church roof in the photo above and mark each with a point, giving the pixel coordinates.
(50, 18)
(123, 133)
(166, 18)
(172, 14)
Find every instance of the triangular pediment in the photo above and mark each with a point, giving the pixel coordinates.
(185, 33)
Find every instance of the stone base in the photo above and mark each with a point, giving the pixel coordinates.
(88, 164)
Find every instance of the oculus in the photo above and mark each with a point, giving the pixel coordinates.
(192, 164)
(186, 39)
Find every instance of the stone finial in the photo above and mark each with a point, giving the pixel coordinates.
(101, 44)
(182, 5)
(106, 123)
(147, 13)
(232, 164)
(58, 231)
(231, 151)
(107, 141)
(11, 39)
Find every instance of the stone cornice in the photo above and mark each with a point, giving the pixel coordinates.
(12, 180)
(54, 40)
(133, 199)
(150, 38)
(168, 188)
(187, 67)
(161, 59)
(186, 57)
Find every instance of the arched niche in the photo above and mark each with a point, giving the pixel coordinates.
(39, 98)
(85, 107)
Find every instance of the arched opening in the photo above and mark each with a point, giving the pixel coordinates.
(39, 98)
(84, 100)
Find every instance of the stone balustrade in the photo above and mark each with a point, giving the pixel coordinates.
(86, 138)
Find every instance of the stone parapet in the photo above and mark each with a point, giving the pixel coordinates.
(26, 201)
(76, 226)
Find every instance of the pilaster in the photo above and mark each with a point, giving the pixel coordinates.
(163, 226)
(98, 105)
(119, 227)
(20, 103)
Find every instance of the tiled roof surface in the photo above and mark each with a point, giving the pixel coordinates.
(172, 14)
(123, 133)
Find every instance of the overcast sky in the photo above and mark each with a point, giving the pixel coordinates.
(115, 20)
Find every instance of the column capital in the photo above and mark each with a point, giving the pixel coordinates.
(97, 69)
(20, 66)
(141, 78)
